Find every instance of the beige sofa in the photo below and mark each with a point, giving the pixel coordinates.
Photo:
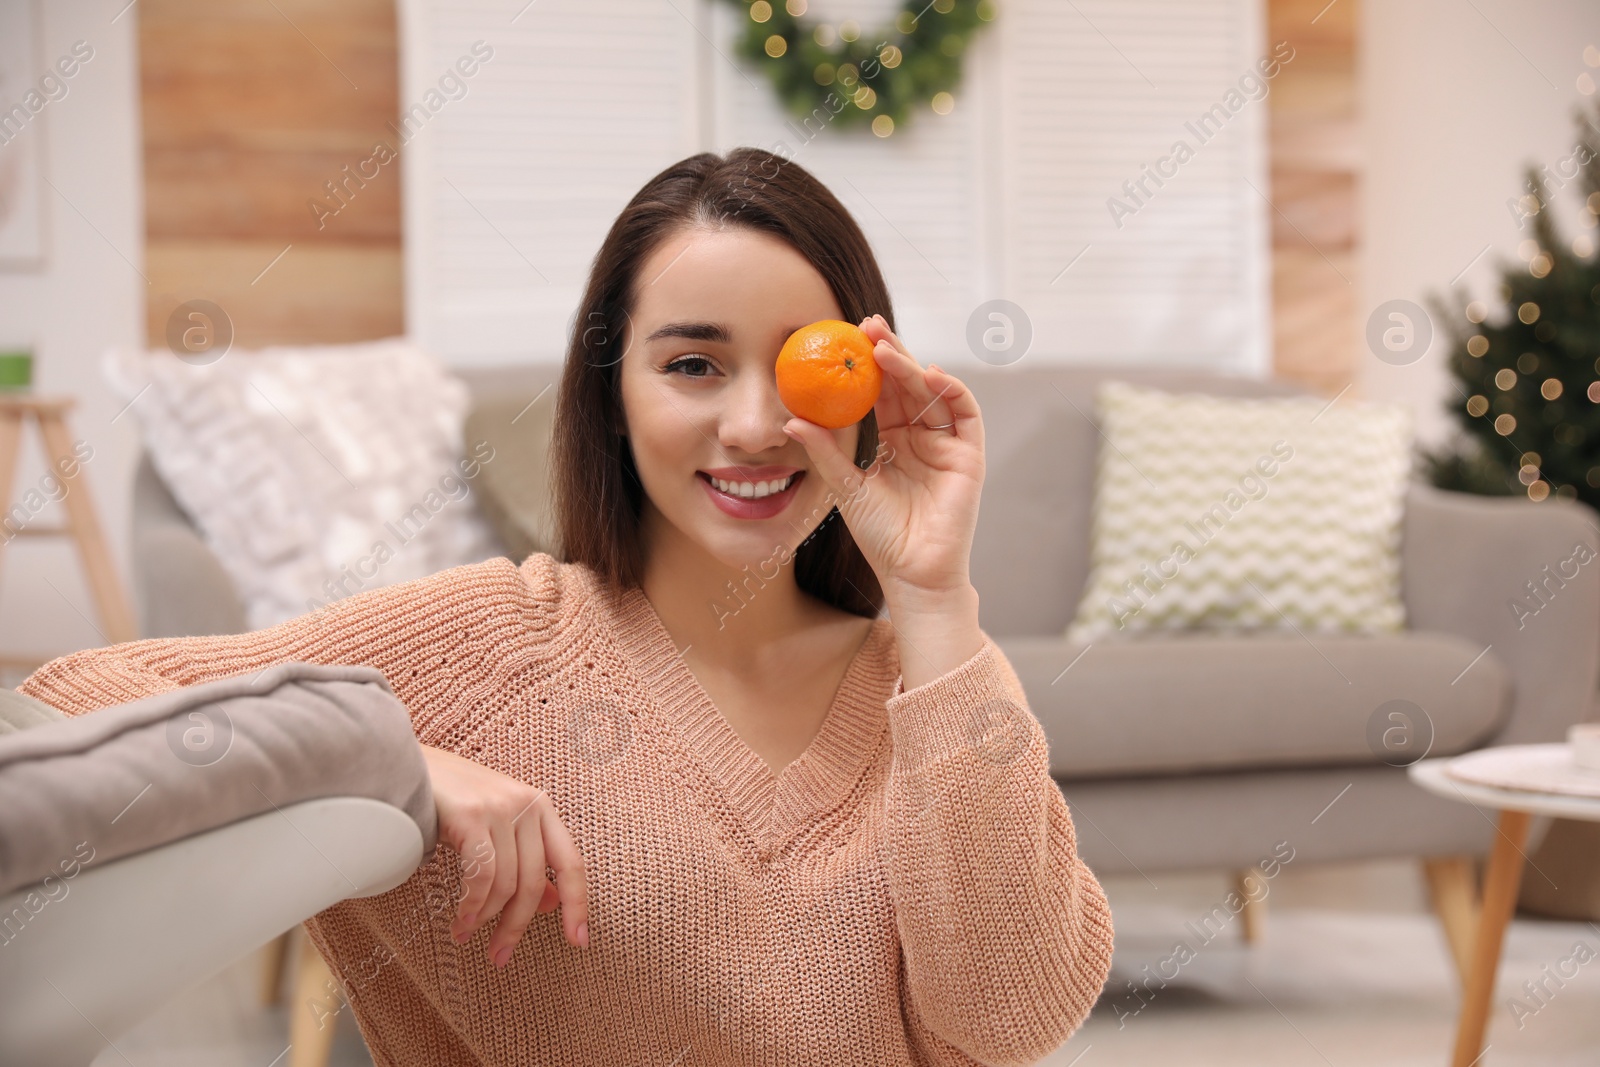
(1192, 752)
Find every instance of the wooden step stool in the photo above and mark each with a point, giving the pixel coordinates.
(82, 525)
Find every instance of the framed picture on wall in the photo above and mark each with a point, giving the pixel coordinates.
(21, 138)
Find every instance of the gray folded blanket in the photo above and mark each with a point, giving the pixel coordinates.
(124, 779)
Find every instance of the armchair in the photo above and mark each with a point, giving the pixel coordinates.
(106, 914)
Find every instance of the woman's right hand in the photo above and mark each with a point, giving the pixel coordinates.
(506, 832)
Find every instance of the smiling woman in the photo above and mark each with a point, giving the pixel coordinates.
(791, 840)
(722, 235)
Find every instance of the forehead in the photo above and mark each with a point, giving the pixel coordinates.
(738, 276)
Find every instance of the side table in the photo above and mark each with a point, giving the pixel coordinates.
(1528, 780)
(82, 525)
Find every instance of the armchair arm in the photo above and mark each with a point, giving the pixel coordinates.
(1520, 577)
(248, 804)
(179, 583)
(119, 941)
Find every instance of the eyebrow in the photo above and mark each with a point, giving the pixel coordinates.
(700, 331)
(693, 331)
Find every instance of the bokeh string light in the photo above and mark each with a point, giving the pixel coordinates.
(1528, 376)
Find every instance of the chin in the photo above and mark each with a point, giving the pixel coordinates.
(764, 552)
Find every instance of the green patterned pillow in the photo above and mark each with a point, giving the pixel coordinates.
(1223, 513)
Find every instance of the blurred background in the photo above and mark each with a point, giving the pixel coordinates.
(1327, 194)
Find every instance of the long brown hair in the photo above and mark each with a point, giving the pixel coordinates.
(598, 496)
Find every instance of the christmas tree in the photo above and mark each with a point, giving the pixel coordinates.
(1527, 379)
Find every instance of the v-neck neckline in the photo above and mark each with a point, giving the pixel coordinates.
(770, 806)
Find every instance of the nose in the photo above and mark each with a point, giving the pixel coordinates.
(752, 419)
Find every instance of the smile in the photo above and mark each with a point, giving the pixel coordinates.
(753, 490)
(757, 493)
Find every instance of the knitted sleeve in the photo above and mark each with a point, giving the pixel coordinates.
(1006, 934)
(92, 679)
(435, 639)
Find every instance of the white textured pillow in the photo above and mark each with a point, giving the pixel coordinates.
(313, 472)
(1222, 513)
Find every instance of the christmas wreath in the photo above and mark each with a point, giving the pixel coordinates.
(839, 75)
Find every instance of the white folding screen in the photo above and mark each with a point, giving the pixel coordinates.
(510, 188)
(511, 182)
(1095, 91)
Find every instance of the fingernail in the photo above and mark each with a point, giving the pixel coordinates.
(503, 957)
(583, 935)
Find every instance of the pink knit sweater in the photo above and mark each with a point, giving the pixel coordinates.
(907, 891)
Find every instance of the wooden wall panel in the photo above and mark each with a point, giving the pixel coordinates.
(249, 108)
(339, 291)
(1314, 149)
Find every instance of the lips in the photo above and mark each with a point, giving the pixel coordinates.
(751, 492)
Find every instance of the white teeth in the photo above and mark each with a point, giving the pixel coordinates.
(752, 490)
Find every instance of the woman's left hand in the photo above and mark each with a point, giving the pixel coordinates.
(914, 510)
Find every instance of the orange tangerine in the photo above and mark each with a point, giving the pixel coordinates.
(826, 374)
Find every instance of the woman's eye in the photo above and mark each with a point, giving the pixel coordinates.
(691, 366)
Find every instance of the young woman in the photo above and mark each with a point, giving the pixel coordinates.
(779, 827)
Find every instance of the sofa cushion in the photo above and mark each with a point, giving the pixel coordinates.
(128, 778)
(1231, 513)
(313, 472)
(1168, 705)
(1030, 556)
(516, 421)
